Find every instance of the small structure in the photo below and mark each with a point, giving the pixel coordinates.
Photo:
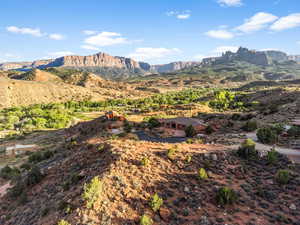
(18, 149)
(181, 123)
(296, 122)
(111, 115)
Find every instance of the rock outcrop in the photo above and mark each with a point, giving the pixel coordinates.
(165, 68)
(260, 58)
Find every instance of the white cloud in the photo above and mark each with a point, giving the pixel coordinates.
(180, 15)
(257, 22)
(222, 49)
(106, 39)
(230, 2)
(183, 16)
(141, 54)
(89, 47)
(216, 52)
(89, 32)
(60, 54)
(25, 30)
(287, 22)
(56, 36)
(220, 34)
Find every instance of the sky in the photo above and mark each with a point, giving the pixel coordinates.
(154, 31)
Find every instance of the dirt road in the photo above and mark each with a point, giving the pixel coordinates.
(292, 153)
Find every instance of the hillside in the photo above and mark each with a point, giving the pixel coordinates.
(60, 85)
(17, 92)
(127, 185)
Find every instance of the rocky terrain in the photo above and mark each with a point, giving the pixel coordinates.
(174, 66)
(129, 182)
(260, 58)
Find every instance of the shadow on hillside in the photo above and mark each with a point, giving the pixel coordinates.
(64, 177)
(189, 200)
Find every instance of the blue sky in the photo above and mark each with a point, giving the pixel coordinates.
(155, 31)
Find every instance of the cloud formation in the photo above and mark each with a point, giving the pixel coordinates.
(25, 30)
(89, 32)
(257, 22)
(56, 36)
(222, 49)
(287, 22)
(36, 32)
(89, 47)
(141, 54)
(106, 39)
(230, 3)
(220, 34)
(180, 15)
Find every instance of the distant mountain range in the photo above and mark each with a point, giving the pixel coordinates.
(100, 63)
(115, 67)
(259, 58)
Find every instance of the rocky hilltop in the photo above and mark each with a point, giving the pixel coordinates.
(260, 58)
(170, 67)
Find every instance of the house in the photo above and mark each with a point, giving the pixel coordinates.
(181, 123)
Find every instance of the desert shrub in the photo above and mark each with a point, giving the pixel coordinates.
(63, 222)
(171, 153)
(26, 166)
(153, 122)
(247, 149)
(92, 191)
(40, 156)
(266, 135)
(23, 198)
(9, 172)
(209, 129)
(102, 147)
(272, 156)
(190, 131)
(127, 127)
(189, 141)
(146, 220)
(236, 116)
(35, 157)
(73, 180)
(145, 161)
(34, 176)
(294, 131)
(202, 174)
(274, 108)
(250, 126)
(279, 128)
(17, 189)
(226, 196)
(188, 158)
(156, 202)
(282, 176)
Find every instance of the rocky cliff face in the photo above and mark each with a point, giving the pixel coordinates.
(277, 56)
(97, 60)
(260, 58)
(164, 68)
